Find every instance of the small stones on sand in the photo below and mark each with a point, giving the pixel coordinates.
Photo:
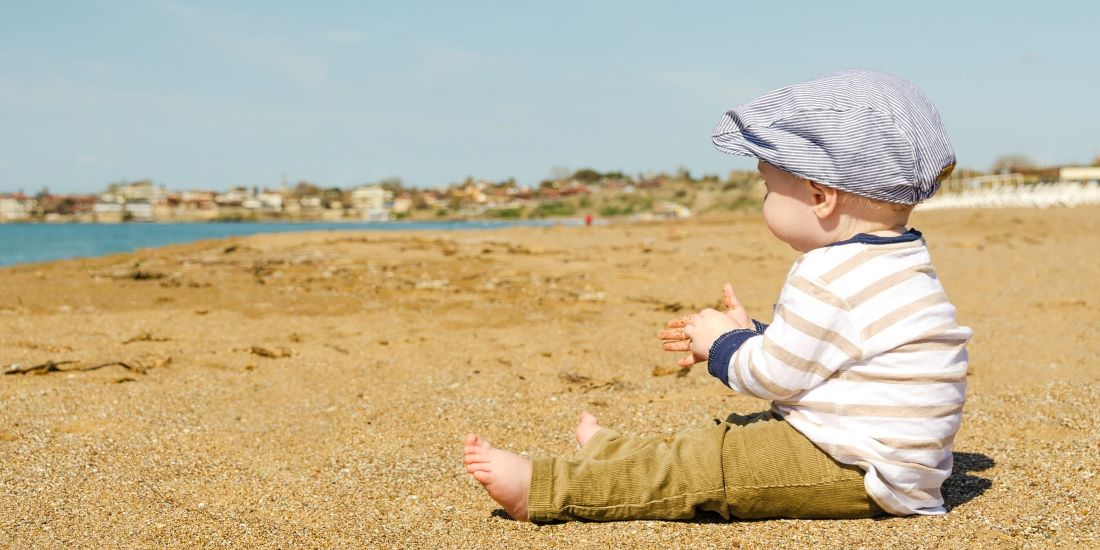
(144, 336)
(587, 384)
(432, 284)
(665, 370)
(591, 296)
(658, 304)
(573, 378)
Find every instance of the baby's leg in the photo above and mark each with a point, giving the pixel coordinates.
(606, 470)
(614, 477)
(755, 466)
(506, 476)
(599, 442)
(772, 470)
(587, 427)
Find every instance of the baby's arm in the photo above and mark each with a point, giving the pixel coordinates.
(811, 337)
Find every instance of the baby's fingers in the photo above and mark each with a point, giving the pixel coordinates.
(729, 297)
(680, 322)
(687, 360)
(677, 345)
(673, 334)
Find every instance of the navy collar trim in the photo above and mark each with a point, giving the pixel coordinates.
(865, 238)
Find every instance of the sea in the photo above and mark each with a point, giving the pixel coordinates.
(39, 242)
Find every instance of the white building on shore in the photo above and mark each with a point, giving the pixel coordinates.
(16, 207)
(1079, 173)
(372, 202)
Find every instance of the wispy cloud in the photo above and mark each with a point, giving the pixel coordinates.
(344, 37)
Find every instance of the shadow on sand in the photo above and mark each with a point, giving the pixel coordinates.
(962, 486)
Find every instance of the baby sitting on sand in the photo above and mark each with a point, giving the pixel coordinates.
(864, 362)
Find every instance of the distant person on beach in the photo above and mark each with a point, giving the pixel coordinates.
(864, 362)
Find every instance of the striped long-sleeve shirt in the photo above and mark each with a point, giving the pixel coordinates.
(865, 358)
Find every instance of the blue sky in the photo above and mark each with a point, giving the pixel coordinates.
(215, 94)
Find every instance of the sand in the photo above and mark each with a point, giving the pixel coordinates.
(312, 390)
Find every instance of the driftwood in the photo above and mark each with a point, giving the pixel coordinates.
(139, 366)
(136, 368)
(270, 353)
(337, 348)
(48, 366)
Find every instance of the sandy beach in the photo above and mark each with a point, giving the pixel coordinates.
(313, 389)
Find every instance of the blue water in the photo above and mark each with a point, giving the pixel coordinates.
(22, 243)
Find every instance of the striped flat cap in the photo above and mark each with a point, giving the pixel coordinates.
(862, 131)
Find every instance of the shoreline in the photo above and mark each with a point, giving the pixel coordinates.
(294, 221)
(89, 245)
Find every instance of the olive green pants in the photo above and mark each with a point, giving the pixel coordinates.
(748, 467)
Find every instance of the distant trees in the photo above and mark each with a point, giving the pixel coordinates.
(334, 197)
(306, 189)
(1008, 164)
(393, 185)
(587, 175)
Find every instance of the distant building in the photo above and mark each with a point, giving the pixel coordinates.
(233, 197)
(270, 203)
(1079, 173)
(16, 207)
(138, 191)
(672, 210)
(198, 200)
(403, 203)
(139, 210)
(431, 198)
(108, 208)
(310, 204)
(372, 202)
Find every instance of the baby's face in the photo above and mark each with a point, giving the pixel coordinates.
(788, 209)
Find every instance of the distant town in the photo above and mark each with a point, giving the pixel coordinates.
(583, 192)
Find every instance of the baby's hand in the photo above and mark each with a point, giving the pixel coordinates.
(698, 338)
(675, 339)
(704, 328)
(734, 309)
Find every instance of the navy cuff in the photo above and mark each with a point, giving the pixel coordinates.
(760, 327)
(722, 350)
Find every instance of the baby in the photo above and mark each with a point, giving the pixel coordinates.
(864, 363)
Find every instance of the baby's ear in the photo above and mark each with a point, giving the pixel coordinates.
(823, 199)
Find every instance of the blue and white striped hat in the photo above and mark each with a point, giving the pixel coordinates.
(862, 131)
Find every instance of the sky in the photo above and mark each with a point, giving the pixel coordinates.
(218, 94)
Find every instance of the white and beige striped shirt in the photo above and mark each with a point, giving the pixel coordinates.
(865, 358)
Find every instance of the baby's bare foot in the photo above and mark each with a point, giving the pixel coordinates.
(587, 427)
(506, 476)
